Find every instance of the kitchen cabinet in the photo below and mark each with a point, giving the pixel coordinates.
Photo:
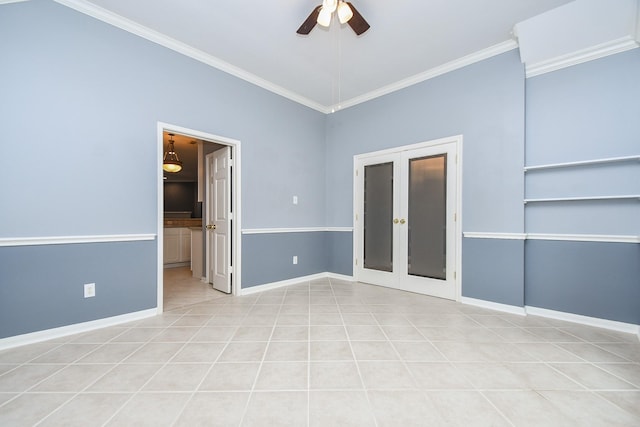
(196, 252)
(177, 245)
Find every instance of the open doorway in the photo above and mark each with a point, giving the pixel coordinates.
(188, 201)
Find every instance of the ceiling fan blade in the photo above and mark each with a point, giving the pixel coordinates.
(357, 22)
(310, 22)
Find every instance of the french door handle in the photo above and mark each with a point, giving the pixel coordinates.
(210, 227)
(396, 220)
(402, 221)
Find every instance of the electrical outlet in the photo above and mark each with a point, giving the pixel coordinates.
(295, 200)
(295, 259)
(89, 290)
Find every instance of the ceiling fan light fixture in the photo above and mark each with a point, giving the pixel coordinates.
(330, 5)
(344, 12)
(171, 162)
(324, 17)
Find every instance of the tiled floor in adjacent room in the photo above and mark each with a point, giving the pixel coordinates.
(327, 353)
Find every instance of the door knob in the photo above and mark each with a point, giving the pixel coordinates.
(402, 221)
(210, 227)
(396, 220)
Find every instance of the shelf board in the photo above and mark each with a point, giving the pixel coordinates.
(582, 163)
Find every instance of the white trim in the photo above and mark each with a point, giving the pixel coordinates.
(340, 277)
(506, 308)
(584, 320)
(552, 314)
(582, 163)
(67, 240)
(560, 237)
(584, 55)
(456, 64)
(489, 235)
(584, 238)
(63, 331)
(293, 230)
(11, 1)
(581, 199)
(237, 200)
(175, 45)
(280, 284)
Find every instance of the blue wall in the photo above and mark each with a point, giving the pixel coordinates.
(80, 96)
(42, 287)
(585, 112)
(587, 278)
(485, 103)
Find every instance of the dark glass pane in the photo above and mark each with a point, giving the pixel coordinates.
(427, 217)
(378, 217)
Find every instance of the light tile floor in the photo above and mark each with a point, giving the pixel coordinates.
(181, 289)
(327, 353)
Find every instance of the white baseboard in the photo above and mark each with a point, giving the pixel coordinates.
(294, 281)
(506, 308)
(340, 277)
(63, 331)
(558, 315)
(585, 320)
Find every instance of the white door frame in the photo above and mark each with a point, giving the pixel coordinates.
(457, 140)
(236, 207)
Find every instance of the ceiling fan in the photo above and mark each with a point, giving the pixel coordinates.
(321, 15)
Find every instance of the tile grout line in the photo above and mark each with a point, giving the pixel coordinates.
(149, 340)
(264, 354)
(355, 359)
(206, 374)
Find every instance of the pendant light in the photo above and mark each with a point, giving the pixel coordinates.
(171, 162)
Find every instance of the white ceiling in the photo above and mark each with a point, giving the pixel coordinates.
(256, 40)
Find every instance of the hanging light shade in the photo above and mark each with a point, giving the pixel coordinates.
(328, 7)
(344, 12)
(171, 162)
(324, 17)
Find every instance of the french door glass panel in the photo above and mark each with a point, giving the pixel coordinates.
(427, 217)
(378, 217)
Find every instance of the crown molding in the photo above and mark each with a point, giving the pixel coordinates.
(584, 55)
(123, 23)
(11, 1)
(456, 64)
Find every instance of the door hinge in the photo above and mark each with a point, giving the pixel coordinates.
(454, 275)
(455, 216)
(356, 261)
(356, 217)
(356, 172)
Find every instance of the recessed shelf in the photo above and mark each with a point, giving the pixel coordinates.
(582, 163)
(580, 199)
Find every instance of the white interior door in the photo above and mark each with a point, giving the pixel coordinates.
(218, 215)
(406, 220)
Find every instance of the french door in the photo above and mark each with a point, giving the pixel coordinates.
(406, 219)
